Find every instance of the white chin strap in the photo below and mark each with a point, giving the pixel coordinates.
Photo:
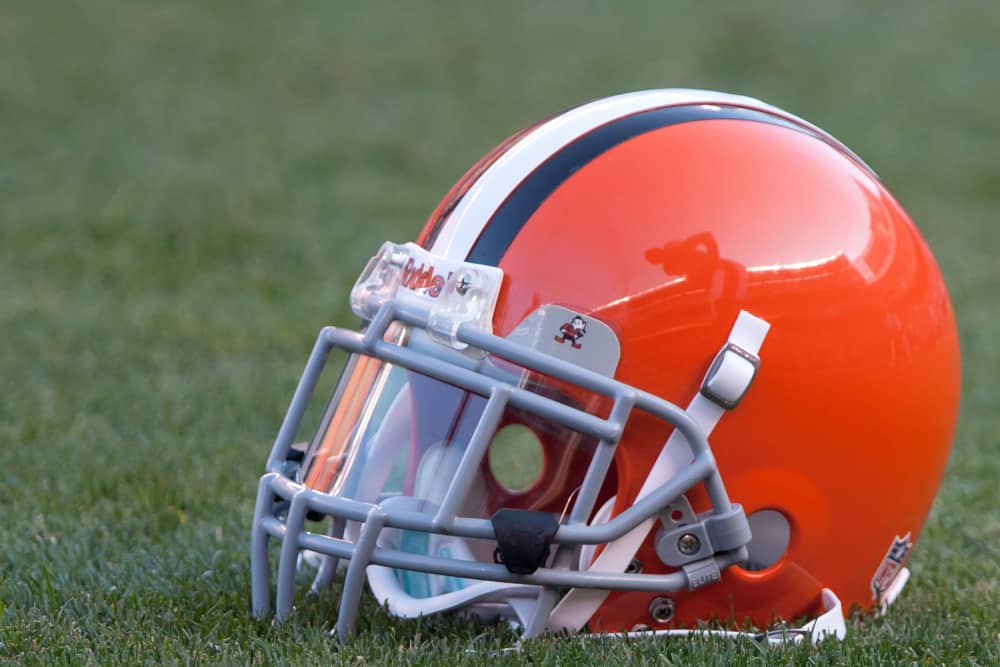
(728, 380)
(388, 591)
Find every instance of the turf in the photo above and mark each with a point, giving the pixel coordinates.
(187, 189)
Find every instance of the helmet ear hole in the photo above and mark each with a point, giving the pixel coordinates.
(516, 457)
(771, 534)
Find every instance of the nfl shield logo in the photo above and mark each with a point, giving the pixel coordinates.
(891, 564)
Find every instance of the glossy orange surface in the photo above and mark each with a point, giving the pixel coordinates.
(848, 425)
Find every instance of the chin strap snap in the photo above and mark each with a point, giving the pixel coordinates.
(729, 376)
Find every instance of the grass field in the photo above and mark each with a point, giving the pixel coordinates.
(187, 190)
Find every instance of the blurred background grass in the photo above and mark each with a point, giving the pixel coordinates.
(187, 190)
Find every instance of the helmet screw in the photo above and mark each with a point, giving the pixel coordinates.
(661, 609)
(688, 544)
(634, 566)
(464, 283)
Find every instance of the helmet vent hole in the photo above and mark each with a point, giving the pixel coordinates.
(515, 457)
(771, 534)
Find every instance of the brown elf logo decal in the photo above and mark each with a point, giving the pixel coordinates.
(572, 332)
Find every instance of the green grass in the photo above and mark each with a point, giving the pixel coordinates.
(188, 189)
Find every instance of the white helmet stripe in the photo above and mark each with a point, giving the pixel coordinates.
(477, 207)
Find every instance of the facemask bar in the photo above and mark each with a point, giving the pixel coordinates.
(276, 487)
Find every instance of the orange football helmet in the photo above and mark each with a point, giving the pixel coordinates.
(726, 344)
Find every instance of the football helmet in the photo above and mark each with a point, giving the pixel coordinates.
(665, 357)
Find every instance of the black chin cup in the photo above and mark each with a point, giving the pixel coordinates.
(523, 538)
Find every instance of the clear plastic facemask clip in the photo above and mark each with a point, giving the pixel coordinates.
(455, 292)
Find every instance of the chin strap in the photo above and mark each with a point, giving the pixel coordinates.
(388, 590)
(724, 385)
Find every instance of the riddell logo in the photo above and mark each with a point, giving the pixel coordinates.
(418, 278)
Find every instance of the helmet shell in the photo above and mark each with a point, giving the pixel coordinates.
(665, 234)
